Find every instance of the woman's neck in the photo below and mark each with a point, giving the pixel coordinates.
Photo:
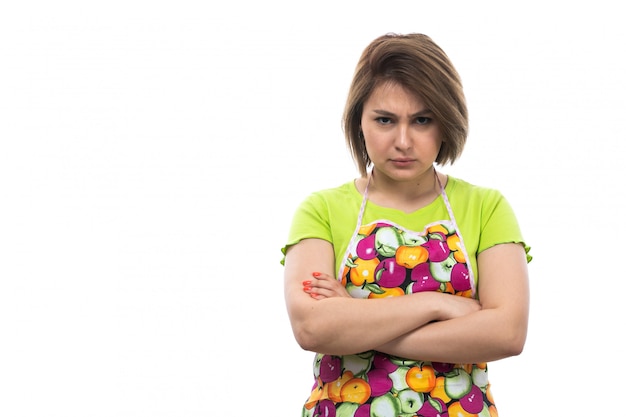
(407, 196)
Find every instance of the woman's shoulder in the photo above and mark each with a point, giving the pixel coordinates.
(460, 187)
(326, 203)
(480, 200)
(338, 193)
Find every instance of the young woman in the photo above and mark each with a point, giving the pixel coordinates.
(405, 282)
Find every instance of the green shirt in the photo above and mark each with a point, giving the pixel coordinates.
(483, 215)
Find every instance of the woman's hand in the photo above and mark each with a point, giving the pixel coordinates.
(324, 286)
(455, 306)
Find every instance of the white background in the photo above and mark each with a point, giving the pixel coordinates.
(152, 154)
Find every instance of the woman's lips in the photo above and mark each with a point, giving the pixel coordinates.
(402, 162)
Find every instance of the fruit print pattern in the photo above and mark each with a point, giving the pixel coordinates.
(386, 260)
(385, 257)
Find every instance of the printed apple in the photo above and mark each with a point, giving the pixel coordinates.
(480, 377)
(442, 271)
(410, 401)
(356, 390)
(439, 391)
(383, 362)
(424, 280)
(366, 248)
(460, 277)
(356, 364)
(387, 241)
(433, 407)
(334, 387)
(357, 292)
(458, 383)
(330, 368)
(326, 408)
(437, 248)
(421, 378)
(385, 406)
(379, 381)
(363, 271)
(411, 238)
(411, 256)
(389, 274)
(472, 402)
(398, 378)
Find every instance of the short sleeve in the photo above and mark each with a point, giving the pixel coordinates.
(310, 220)
(499, 224)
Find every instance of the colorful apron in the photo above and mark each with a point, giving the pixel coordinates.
(384, 259)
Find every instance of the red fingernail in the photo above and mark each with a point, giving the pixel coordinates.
(306, 282)
(306, 289)
(316, 274)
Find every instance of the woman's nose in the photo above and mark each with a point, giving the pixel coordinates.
(403, 138)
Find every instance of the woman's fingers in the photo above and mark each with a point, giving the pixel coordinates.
(323, 285)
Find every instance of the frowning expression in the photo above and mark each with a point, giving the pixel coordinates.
(401, 136)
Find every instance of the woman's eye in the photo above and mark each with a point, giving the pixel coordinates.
(422, 120)
(384, 120)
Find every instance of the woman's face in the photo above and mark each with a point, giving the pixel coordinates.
(401, 137)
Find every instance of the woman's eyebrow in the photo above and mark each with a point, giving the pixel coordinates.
(424, 112)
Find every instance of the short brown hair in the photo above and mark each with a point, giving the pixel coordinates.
(422, 67)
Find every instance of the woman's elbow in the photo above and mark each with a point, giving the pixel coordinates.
(515, 348)
(304, 340)
(513, 344)
(307, 337)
